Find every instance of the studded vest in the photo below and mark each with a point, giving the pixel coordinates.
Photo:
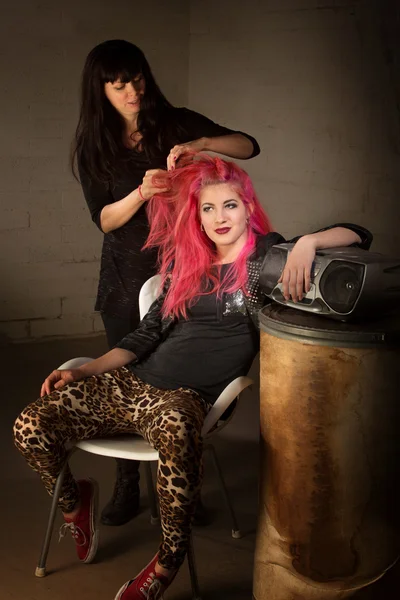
(253, 301)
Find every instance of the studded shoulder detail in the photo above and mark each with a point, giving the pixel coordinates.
(253, 300)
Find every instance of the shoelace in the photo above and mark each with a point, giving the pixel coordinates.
(76, 532)
(156, 590)
(152, 588)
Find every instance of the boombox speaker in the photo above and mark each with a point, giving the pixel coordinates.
(346, 283)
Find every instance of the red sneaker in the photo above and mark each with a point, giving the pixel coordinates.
(84, 527)
(148, 585)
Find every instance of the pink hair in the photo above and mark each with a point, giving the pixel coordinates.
(186, 254)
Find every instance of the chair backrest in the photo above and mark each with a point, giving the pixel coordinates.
(224, 400)
(75, 363)
(148, 293)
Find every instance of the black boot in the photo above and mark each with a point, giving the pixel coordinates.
(124, 504)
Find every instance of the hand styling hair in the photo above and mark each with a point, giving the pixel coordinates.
(186, 255)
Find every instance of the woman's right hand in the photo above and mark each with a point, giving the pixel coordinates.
(148, 188)
(58, 378)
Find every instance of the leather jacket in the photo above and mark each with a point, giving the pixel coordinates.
(154, 328)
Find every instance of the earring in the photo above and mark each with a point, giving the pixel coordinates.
(247, 220)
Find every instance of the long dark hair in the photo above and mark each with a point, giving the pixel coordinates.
(98, 144)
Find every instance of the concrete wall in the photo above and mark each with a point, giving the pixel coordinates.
(314, 80)
(49, 246)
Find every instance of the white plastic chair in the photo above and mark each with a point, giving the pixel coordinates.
(134, 447)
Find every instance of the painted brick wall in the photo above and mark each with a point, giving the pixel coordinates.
(314, 81)
(49, 246)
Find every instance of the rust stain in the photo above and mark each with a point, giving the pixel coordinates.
(314, 409)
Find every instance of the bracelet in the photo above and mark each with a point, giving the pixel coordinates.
(140, 193)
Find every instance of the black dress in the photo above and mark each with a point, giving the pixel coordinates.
(124, 266)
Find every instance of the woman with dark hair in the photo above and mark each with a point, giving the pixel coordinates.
(127, 132)
(213, 236)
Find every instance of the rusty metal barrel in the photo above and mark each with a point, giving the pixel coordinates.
(329, 512)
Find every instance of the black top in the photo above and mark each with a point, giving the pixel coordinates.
(124, 267)
(205, 352)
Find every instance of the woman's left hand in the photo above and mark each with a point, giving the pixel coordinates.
(296, 275)
(177, 151)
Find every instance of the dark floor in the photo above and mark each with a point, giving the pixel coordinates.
(224, 564)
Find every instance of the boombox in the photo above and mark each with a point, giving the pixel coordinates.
(346, 283)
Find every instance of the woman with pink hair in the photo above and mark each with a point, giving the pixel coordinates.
(212, 235)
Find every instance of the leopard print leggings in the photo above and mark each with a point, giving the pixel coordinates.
(114, 403)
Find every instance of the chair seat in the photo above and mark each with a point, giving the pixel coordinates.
(132, 447)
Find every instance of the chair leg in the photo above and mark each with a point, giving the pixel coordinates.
(236, 533)
(41, 568)
(154, 518)
(192, 570)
